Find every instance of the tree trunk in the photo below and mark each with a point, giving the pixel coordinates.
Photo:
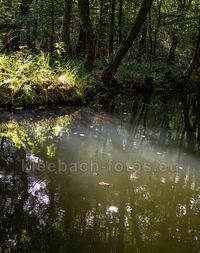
(111, 70)
(102, 29)
(182, 9)
(120, 20)
(142, 43)
(66, 25)
(159, 4)
(22, 16)
(172, 51)
(196, 58)
(84, 14)
(100, 26)
(35, 34)
(52, 27)
(81, 46)
(150, 35)
(112, 30)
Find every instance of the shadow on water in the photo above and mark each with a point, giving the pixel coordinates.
(117, 178)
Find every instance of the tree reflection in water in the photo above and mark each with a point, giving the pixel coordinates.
(152, 204)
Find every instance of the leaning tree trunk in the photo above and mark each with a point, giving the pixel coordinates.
(84, 14)
(66, 25)
(111, 70)
(193, 65)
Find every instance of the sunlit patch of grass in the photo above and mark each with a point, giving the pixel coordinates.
(36, 79)
(74, 73)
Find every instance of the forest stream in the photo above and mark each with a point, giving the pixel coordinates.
(122, 177)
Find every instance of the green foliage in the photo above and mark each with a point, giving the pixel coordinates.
(75, 74)
(59, 48)
(32, 79)
(159, 73)
(26, 78)
(44, 60)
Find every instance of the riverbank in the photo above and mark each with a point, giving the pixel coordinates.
(27, 79)
(35, 80)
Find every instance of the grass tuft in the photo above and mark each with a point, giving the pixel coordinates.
(37, 79)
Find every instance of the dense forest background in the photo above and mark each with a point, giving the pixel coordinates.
(150, 40)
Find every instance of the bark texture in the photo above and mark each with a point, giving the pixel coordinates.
(111, 70)
(196, 58)
(66, 25)
(84, 14)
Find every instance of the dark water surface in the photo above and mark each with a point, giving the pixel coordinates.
(124, 178)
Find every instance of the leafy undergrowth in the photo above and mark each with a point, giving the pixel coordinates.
(140, 75)
(27, 79)
(144, 74)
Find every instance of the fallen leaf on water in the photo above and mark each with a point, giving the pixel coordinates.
(20, 108)
(105, 184)
(95, 174)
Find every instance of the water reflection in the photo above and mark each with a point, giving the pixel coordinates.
(124, 179)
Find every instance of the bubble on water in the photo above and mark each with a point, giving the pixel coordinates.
(128, 209)
(133, 177)
(112, 209)
(177, 179)
(163, 180)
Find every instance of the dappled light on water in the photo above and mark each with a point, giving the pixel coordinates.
(124, 179)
